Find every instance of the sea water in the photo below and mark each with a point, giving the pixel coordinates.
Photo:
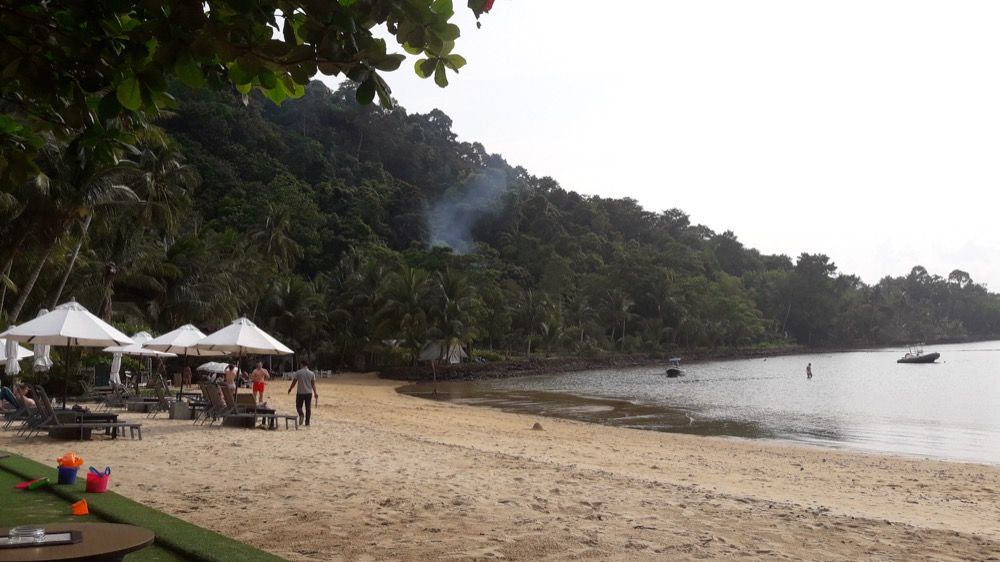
(860, 400)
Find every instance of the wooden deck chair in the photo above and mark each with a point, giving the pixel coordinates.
(163, 403)
(245, 411)
(52, 420)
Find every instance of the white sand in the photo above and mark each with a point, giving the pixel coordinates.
(380, 476)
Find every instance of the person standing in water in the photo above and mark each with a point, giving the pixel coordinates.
(809, 371)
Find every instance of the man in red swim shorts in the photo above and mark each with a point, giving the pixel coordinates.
(258, 376)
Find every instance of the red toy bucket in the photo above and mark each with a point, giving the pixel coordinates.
(97, 482)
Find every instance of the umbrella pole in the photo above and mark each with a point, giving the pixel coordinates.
(65, 377)
(181, 393)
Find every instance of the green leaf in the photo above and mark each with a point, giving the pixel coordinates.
(249, 64)
(366, 92)
(129, 94)
(346, 3)
(108, 108)
(411, 49)
(455, 62)
(275, 48)
(440, 78)
(237, 75)
(442, 7)
(423, 67)
(383, 91)
(447, 32)
(329, 68)
(267, 79)
(190, 73)
(389, 62)
(276, 94)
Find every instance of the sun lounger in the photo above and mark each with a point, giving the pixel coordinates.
(51, 420)
(237, 411)
(210, 408)
(162, 404)
(221, 410)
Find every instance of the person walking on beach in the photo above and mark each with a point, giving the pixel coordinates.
(809, 371)
(258, 376)
(306, 381)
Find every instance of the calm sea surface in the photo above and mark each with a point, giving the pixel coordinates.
(858, 400)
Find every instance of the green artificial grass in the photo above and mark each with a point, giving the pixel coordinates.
(175, 539)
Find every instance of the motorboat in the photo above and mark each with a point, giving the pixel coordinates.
(674, 370)
(916, 355)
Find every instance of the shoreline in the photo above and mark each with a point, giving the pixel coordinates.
(619, 407)
(521, 366)
(381, 475)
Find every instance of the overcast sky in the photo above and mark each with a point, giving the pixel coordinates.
(865, 130)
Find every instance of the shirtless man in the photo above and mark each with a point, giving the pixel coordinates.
(230, 376)
(258, 376)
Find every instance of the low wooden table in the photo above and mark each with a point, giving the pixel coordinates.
(100, 541)
(248, 421)
(76, 417)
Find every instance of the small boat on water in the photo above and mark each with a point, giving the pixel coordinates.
(674, 370)
(918, 356)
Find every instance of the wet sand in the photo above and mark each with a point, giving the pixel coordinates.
(383, 476)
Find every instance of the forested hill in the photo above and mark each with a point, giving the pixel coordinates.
(354, 200)
(359, 234)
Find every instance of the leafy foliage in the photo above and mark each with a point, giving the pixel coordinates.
(358, 234)
(97, 71)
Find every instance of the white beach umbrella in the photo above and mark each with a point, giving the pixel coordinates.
(138, 347)
(12, 353)
(182, 342)
(243, 337)
(5, 351)
(42, 360)
(69, 325)
(212, 367)
(116, 367)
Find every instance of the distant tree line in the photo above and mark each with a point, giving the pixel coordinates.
(318, 219)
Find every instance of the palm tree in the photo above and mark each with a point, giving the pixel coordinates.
(74, 185)
(619, 306)
(404, 311)
(274, 237)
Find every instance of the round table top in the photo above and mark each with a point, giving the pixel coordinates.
(99, 540)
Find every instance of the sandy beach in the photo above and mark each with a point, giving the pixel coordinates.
(380, 476)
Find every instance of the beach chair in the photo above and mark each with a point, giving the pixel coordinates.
(222, 408)
(51, 420)
(17, 414)
(245, 411)
(114, 399)
(208, 411)
(91, 393)
(27, 416)
(162, 404)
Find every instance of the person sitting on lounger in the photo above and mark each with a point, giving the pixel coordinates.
(17, 397)
(7, 400)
